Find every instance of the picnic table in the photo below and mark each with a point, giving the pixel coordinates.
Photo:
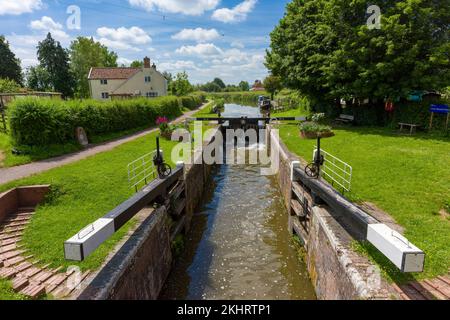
(412, 127)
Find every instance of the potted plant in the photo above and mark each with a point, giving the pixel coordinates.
(313, 129)
(164, 127)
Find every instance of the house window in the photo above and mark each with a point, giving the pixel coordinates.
(105, 95)
(148, 79)
(104, 81)
(151, 94)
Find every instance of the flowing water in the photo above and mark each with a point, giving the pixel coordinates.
(239, 246)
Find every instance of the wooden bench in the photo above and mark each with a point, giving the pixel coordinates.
(412, 127)
(345, 118)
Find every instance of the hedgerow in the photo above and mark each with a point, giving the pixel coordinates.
(44, 121)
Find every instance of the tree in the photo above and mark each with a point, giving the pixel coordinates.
(10, 65)
(244, 86)
(39, 79)
(211, 87)
(168, 76)
(325, 49)
(8, 86)
(137, 64)
(220, 83)
(272, 84)
(55, 60)
(85, 53)
(181, 84)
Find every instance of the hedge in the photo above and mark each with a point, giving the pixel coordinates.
(193, 101)
(41, 122)
(238, 97)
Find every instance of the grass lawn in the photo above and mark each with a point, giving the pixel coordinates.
(206, 111)
(406, 176)
(7, 293)
(81, 193)
(7, 159)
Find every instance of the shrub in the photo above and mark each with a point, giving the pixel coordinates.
(192, 101)
(44, 121)
(238, 97)
(9, 86)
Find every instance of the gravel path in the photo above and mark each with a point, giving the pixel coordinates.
(23, 171)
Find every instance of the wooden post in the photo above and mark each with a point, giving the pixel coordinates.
(431, 121)
(2, 111)
(447, 122)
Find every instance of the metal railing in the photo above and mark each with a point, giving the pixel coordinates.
(336, 171)
(141, 169)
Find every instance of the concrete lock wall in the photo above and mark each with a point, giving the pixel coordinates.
(139, 266)
(336, 270)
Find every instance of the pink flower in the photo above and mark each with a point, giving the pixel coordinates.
(161, 120)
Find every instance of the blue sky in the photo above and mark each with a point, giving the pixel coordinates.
(206, 38)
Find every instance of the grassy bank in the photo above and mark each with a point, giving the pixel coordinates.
(41, 152)
(406, 176)
(81, 193)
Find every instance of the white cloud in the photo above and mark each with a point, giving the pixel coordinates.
(198, 34)
(124, 61)
(123, 38)
(237, 44)
(188, 7)
(15, 7)
(237, 14)
(133, 35)
(118, 45)
(203, 49)
(47, 24)
(177, 66)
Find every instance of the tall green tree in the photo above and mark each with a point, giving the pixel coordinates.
(244, 86)
(137, 64)
(39, 79)
(325, 48)
(181, 85)
(55, 60)
(272, 84)
(220, 83)
(86, 53)
(9, 65)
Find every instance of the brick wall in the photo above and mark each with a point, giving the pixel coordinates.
(336, 270)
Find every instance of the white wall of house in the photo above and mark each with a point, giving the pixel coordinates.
(136, 85)
(97, 88)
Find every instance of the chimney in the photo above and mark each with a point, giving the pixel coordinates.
(147, 63)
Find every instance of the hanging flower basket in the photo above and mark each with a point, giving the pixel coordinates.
(313, 130)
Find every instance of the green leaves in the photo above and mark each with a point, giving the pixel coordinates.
(324, 48)
(84, 54)
(45, 121)
(9, 65)
(54, 63)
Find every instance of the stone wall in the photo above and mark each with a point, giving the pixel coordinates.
(336, 270)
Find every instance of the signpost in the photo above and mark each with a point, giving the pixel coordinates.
(440, 109)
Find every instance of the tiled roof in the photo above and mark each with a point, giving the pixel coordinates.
(112, 73)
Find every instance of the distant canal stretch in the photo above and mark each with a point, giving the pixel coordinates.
(239, 246)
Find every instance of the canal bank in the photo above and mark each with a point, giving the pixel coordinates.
(238, 243)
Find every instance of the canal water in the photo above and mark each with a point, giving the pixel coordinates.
(239, 246)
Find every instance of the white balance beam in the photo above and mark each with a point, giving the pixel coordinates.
(406, 256)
